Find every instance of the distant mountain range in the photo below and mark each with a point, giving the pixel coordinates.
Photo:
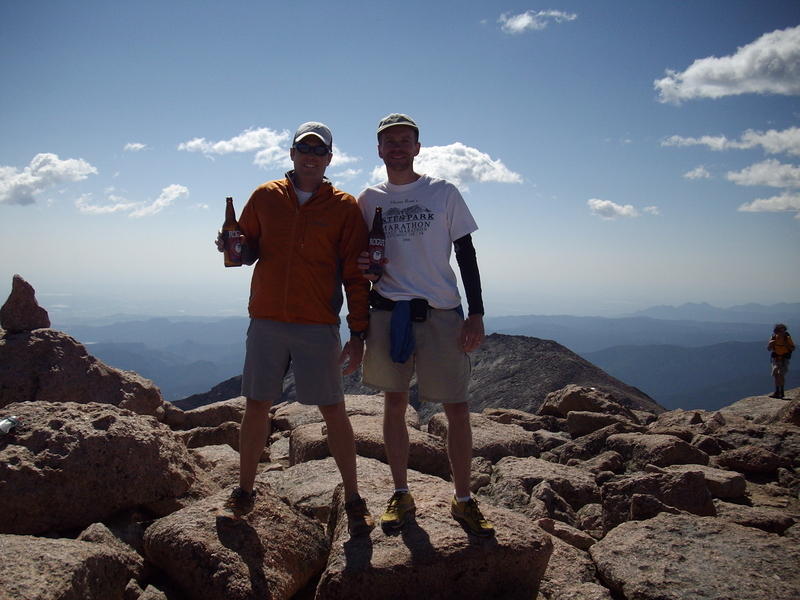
(186, 356)
(706, 377)
(744, 313)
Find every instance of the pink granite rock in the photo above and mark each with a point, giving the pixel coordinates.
(21, 312)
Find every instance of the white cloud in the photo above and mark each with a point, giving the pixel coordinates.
(117, 204)
(608, 210)
(532, 20)
(459, 164)
(45, 171)
(250, 140)
(769, 65)
(271, 148)
(771, 173)
(772, 141)
(166, 198)
(652, 210)
(789, 202)
(134, 147)
(347, 174)
(697, 173)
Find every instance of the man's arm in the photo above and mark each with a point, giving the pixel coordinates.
(353, 243)
(472, 333)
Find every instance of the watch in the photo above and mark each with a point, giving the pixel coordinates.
(361, 335)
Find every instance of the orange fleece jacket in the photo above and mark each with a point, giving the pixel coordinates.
(306, 253)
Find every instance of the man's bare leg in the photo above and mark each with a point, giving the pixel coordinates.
(253, 434)
(459, 446)
(341, 443)
(395, 436)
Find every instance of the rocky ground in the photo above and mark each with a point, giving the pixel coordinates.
(107, 492)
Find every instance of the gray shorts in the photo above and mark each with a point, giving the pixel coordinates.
(314, 351)
(442, 367)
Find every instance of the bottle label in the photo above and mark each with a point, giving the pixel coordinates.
(233, 246)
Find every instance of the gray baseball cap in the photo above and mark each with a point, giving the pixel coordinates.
(396, 119)
(317, 129)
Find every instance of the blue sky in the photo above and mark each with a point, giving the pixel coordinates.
(615, 155)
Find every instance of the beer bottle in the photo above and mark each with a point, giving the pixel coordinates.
(231, 236)
(377, 243)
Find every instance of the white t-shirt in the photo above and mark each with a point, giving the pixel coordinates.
(421, 220)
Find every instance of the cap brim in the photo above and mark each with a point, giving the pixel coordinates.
(385, 127)
(316, 135)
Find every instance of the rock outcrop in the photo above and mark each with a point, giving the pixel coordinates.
(674, 557)
(45, 365)
(21, 312)
(71, 465)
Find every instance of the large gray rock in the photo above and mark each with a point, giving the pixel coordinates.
(582, 422)
(490, 439)
(33, 568)
(752, 460)
(225, 433)
(433, 557)
(721, 483)
(640, 450)
(676, 557)
(759, 409)
(568, 567)
(427, 453)
(680, 491)
(767, 519)
(511, 416)
(209, 415)
(513, 480)
(272, 553)
(49, 366)
(21, 312)
(76, 464)
(592, 444)
(289, 415)
(582, 398)
(220, 462)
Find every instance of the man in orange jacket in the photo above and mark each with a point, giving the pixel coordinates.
(304, 236)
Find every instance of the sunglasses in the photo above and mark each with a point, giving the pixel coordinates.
(308, 149)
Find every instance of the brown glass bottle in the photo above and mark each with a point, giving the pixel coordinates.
(231, 236)
(377, 244)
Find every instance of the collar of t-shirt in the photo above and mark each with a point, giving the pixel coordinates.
(405, 187)
(302, 197)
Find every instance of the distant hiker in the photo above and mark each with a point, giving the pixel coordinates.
(416, 319)
(781, 347)
(304, 236)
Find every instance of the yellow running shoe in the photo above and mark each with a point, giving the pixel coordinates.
(471, 518)
(401, 506)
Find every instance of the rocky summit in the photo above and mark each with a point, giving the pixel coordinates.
(108, 493)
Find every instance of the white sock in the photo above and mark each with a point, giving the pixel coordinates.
(404, 490)
(463, 498)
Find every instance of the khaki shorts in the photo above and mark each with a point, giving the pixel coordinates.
(314, 351)
(442, 367)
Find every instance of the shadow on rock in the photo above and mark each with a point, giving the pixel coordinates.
(238, 535)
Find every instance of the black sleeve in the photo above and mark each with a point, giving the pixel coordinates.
(470, 277)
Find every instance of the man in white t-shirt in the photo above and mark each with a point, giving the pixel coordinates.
(416, 320)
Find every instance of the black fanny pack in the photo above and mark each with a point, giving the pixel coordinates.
(419, 306)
